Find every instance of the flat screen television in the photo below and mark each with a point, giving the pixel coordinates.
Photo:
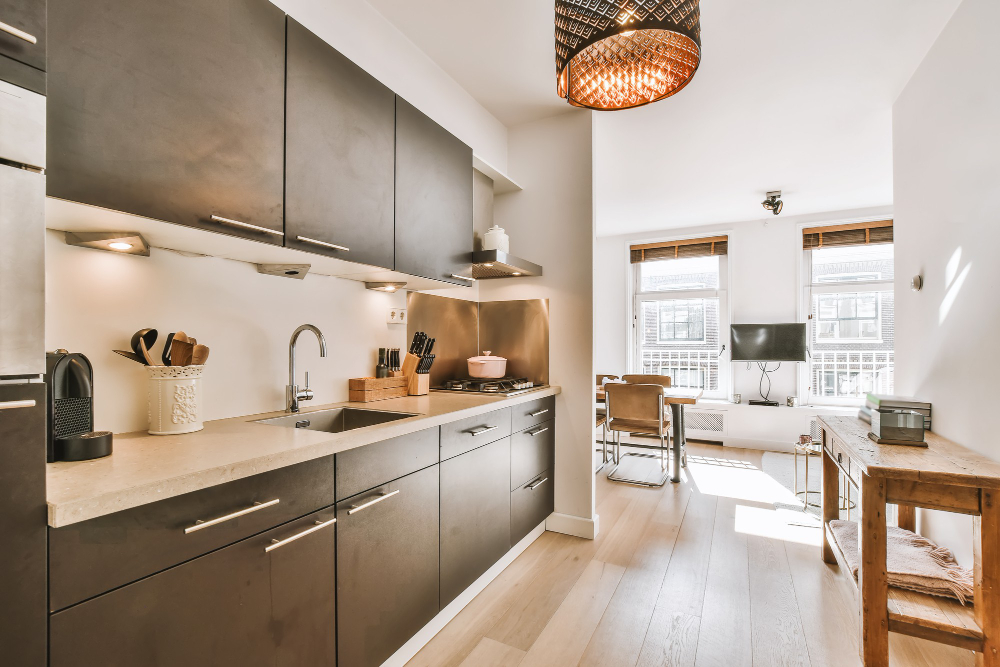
(768, 342)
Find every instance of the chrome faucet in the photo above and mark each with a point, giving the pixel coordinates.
(292, 393)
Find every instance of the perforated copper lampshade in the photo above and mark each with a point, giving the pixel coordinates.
(619, 54)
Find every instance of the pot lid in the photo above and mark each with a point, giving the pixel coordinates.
(487, 356)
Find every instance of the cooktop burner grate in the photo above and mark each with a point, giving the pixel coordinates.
(506, 386)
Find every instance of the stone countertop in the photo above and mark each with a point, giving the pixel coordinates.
(146, 468)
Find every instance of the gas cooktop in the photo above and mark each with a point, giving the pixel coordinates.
(508, 386)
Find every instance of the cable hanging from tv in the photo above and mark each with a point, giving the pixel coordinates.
(764, 375)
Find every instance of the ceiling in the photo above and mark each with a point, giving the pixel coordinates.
(791, 95)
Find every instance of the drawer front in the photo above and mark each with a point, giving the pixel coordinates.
(532, 451)
(372, 465)
(92, 557)
(839, 453)
(531, 414)
(465, 435)
(530, 505)
(22, 133)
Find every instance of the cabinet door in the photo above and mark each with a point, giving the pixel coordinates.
(387, 567)
(475, 515)
(530, 505)
(236, 606)
(433, 198)
(23, 614)
(25, 41)
(172, 110)
(340, 133)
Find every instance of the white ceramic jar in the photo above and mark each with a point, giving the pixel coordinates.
(175, 400)
(496, 238)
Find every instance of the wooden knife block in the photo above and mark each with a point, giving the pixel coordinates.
(418, 384)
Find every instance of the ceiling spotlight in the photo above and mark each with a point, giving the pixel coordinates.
(773, 202)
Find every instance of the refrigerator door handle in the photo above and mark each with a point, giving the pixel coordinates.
(11, 405)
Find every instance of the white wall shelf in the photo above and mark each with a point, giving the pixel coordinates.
(502, 183)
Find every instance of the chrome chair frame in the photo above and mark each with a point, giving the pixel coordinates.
(619, 457)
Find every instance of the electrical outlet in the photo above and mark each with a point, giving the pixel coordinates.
(396, 316)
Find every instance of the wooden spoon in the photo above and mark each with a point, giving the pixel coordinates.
(199, 355)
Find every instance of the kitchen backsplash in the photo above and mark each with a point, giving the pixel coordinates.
(96, 300)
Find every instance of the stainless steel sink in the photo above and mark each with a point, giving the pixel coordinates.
(336, 420)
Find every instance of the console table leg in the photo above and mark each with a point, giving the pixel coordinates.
(873, 583)
(986, 545)
(831, 502)
(907, 517)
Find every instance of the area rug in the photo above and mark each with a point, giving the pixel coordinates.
(913, 562)
(781, 468)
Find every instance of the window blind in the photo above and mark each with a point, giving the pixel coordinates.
(861, 233)
(705, 247)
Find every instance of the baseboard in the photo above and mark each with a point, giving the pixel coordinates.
(577, 526)
(436, 624)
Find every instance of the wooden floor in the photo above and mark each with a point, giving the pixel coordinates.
(706, 572)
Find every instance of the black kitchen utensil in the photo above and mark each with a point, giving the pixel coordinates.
(131, 355)
(430, 346)
(166, 349)
(148, 336)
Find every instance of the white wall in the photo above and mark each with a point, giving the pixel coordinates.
(764, 257)
(551, 223)
(362, 34)
(947, 199)
(96, 300)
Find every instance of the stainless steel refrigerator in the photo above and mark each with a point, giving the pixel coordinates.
(23, 517)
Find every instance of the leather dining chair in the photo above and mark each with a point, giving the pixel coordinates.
(638, 408)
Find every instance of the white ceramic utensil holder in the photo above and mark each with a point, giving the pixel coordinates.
(175, 400)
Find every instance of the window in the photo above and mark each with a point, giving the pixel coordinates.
(849, 301)
(681, 319)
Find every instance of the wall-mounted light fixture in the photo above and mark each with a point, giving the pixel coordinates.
(124, 243)
(385, 286)
(293, 271)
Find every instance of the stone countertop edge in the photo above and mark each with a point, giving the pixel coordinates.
(147, 468)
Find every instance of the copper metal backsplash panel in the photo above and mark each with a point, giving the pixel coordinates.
(517, 330)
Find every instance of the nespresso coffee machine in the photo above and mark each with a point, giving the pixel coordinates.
(69, 379)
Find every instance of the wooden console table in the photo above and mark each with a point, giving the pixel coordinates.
(943, 476)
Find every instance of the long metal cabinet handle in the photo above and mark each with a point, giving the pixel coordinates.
(277, 544)
(471, 280)
(539, 431)
(538, 484)
(13, 405)
(479, 431)
(539, 413)
(11, 30)
(373, 501)
(246, 225)
(201, 525)
(306, 239)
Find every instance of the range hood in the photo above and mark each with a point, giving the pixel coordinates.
(488, 264)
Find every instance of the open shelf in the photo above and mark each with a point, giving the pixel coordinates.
(938, 619)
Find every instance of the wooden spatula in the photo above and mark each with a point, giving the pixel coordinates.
(181, 352)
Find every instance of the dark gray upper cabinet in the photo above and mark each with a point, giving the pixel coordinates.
(475, 515)
(387, 566)
(172, 110)
(340, 152)
(433, 198)
(236, 606)
(27, 18)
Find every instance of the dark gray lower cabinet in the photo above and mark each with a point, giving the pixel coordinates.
(387, 566)
(475, 515)
(530, 505)
(236, 606)
(172, 110)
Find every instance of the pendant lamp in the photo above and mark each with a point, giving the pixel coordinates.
(620, 54)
